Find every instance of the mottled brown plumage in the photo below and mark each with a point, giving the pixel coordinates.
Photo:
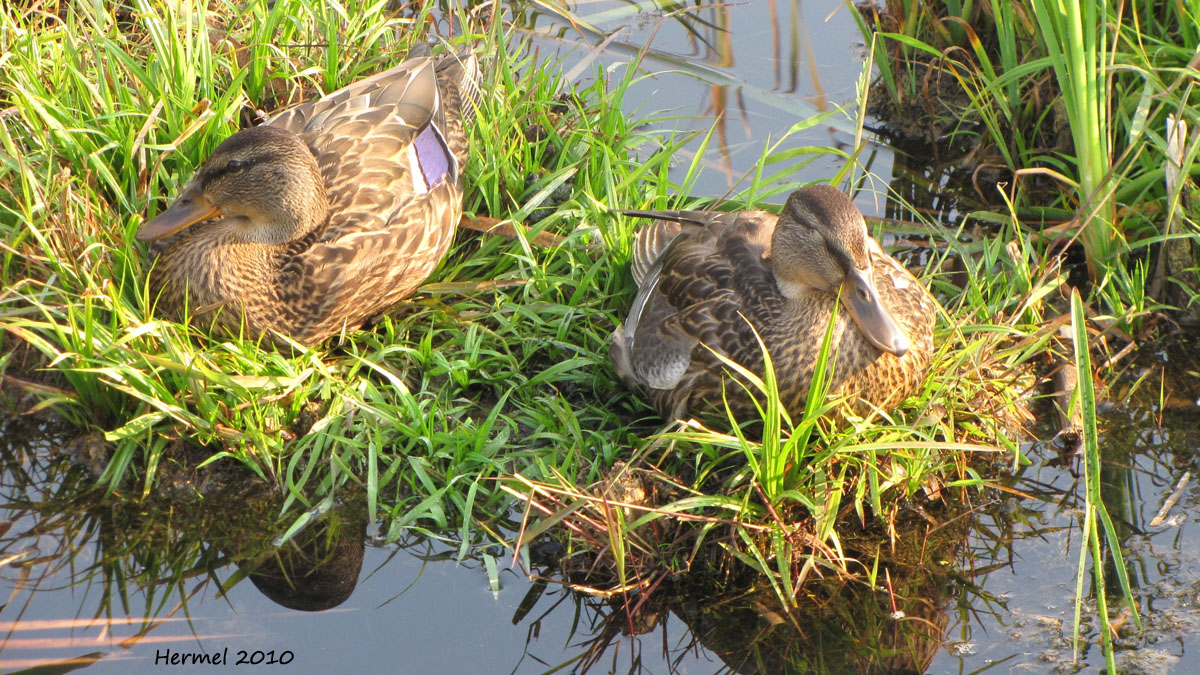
(704, 278)
(327, 214)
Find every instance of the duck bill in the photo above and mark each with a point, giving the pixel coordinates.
(189, 208)
(860, 296)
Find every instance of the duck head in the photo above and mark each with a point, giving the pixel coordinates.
(820, 243)
(262, 184)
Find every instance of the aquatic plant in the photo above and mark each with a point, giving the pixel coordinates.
(1089, 120)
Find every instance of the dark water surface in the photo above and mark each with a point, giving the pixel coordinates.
(1002, 601)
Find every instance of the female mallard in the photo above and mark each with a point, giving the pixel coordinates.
(711, 280)
(325, 215)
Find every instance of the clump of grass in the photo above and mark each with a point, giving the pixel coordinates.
(496, 367)
(91, 140)
(779, 501)
(1073, 100)
(1119, 170)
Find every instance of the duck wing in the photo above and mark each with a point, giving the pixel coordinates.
(392, 177)
(706, 280)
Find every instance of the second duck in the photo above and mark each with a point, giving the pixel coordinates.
(707, 281)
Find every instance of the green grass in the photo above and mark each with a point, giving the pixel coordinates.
(1073, 101)
(490, 391)
(1080, 117)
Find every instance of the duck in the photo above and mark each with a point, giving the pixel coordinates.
(326, 214)
(712, 283)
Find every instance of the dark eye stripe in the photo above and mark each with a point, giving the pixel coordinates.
(801, 214)
(843, 259)
(243, 163)
(235, 166)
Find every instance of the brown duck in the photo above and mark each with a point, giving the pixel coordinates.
(324, 216)
(713, 278)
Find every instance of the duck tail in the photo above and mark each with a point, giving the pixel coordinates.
(648, 246)
(462, 68)
(701, 218)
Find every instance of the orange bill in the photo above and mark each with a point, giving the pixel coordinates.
(190, 208)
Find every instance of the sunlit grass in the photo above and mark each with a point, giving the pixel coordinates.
(786, 489)
(1108, 79)
(1073, 99)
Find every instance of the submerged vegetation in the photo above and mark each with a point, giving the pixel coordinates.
(485, 409)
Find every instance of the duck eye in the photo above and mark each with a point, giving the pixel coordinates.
(236, 164)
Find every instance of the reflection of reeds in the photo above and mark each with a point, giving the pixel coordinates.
(52, 540)
(723, 58)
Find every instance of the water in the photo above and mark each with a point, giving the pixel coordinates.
(1021, 614)
(71, 567)
(122, 589)
(1000, 586)
(780, 64)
